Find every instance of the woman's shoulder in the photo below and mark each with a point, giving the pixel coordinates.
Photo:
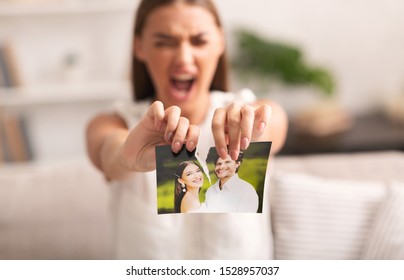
(131, 111)
(189, 204)
(202, 209)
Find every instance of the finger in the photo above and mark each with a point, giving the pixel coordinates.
(192, 137)
(262, 117)
(171, 116)
(247, 124)
(219, 134)
(156, 113)
(233, 123)
(180, 134)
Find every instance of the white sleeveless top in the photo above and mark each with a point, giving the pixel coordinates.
(140, 233)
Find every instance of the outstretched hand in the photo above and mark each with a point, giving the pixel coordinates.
(159, 126)
(235, 126)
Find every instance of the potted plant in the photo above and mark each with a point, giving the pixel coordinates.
(263, 62)
(264, 58)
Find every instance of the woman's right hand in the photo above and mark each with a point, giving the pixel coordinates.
(118, 152)
(158, 126)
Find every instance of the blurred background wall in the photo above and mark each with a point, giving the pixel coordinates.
(73, 57)
(359, 41)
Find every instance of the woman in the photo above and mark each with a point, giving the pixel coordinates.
(180, 80)
(188, 183)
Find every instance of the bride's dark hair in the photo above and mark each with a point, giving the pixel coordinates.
(178, 189)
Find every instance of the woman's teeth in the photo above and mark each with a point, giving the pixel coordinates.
(183, 77)
(182, 82)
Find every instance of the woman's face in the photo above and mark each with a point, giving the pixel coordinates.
(180, 46)
(192, 176)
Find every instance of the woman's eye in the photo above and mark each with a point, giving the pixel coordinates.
(199, 42)
(164, 44)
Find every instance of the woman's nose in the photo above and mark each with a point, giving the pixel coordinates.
(185, 55)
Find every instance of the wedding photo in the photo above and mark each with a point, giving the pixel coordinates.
(212, 185)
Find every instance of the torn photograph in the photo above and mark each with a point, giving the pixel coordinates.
(188, 183)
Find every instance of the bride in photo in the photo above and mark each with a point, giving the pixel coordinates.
(188, 184)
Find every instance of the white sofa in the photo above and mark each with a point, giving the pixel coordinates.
(342, 206)
(54, 211)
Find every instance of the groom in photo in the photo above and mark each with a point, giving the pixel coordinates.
(230, 193)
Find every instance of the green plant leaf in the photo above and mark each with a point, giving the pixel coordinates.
(262, 58)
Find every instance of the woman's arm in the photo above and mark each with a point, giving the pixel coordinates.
(277, 128)
(106, 134)
(118, 151)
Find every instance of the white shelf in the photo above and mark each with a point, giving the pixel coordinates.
(57, 110)
(57, 8)
(11, 169)
(63, 94)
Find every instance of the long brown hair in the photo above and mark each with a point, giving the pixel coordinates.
(179, 190)
(143, 87)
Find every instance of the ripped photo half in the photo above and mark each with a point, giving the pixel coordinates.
(187, 183)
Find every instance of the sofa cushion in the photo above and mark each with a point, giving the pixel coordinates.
(386, 237)
(57, 210)
(321, 218)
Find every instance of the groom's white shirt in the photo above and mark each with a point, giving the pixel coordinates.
(236, 195)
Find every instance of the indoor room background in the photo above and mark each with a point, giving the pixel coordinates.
(63, 61)
(72, 59)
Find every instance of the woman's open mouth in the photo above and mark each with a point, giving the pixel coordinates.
(197, 180)
(181, 86)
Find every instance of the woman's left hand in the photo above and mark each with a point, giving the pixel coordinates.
(235, 126)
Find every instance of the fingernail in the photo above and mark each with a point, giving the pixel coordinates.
(262, 126)
(244, 143)
(176, 147)
(168, 137)
(191, 146)
(234, 154)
